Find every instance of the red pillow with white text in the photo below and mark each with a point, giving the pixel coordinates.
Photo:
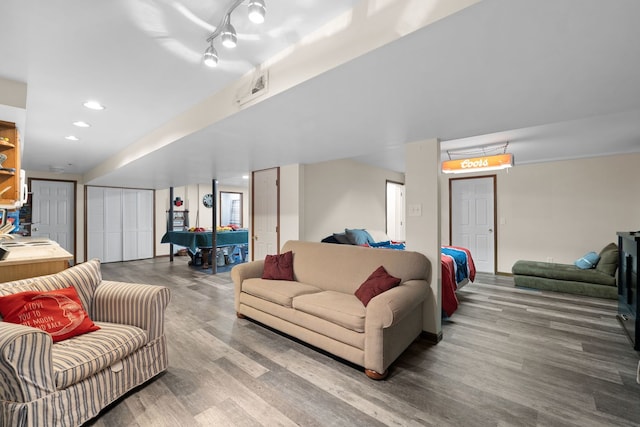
(58, 312)
(378, 282)
(278, 267)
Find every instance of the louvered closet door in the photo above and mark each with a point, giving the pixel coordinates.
(119, 224)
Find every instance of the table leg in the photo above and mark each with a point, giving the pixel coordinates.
(205, 257)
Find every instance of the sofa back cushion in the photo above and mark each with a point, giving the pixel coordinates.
(84, 277)
(343, 268)
(608, 259)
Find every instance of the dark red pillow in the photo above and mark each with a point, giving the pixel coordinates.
(58, 312)
(278, 267)
(379, 282)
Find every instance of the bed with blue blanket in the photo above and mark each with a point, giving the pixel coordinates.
(457, 264)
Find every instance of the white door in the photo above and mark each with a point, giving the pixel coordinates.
(53, 204)
(395, 211)
(137, 224)
(265, 213)
(119, 224)
(473, 220)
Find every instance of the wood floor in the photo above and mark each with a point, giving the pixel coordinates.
(509, 357)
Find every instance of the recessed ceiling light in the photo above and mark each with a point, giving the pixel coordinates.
(245, 176)
(72, 138)
(81, 124)
(94, 105)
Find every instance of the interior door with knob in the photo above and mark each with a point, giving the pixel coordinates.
(473, 223)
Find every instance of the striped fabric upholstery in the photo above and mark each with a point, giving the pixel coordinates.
(84, 277)
(68, 383)
(131, 304)
(80, 357)
(26, 370)
(82, 401)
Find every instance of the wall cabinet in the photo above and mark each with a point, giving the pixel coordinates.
(10, 168)
(628, 296)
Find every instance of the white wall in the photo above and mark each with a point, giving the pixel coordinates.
(561, 210)
(292, 196)
(344, 194)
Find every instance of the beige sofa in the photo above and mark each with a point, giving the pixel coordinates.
(319, 307)
(66, 383)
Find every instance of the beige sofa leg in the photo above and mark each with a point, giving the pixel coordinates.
(240, 315)
(375, 375)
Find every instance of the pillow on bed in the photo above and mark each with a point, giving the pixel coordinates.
(358, 236)
(588, 261)
(378, 236)
(278, 267)
(378, 282)
(342, 238)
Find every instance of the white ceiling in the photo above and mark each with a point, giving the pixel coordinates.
(558, 80)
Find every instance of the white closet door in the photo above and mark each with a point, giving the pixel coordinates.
(113, 232)
(95, 223)
(137, 224)
(119, 224)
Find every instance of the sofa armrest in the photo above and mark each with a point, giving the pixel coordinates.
(132, 304)
(26, 370)
(388, 308)
(244, 271)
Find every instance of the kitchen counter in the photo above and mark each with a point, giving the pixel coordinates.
(31, 257)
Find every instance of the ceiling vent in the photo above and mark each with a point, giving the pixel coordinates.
(258, 87)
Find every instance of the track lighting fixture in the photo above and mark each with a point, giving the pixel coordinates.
(226, 31)
(257, 11)
(211, 56)
(229, 36)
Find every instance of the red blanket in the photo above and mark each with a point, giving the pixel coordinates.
(449, 284)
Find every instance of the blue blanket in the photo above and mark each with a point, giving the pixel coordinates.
(460, 258)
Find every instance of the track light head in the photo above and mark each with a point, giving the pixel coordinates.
(229, 35)
(257, 11)
(211, 57)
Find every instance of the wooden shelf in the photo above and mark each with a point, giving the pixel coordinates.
(10, 149)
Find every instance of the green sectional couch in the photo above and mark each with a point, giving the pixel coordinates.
(595, 282)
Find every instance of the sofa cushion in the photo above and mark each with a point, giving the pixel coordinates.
(58, 312)
(278, 267)
(84, 277)
(608, 263)
(562, 272)
(378, 282)
(336, 307)
(589, 260)
(80, 357)
(280, 292)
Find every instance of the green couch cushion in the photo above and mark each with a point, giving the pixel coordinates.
(608, 263)
(567, 286)
(562, 272)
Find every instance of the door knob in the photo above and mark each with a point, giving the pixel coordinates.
(491, 230)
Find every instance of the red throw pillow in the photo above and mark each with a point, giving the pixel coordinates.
(379, 282)
(278, 267)
(58, 312)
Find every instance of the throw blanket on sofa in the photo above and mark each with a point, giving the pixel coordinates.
(457, 270)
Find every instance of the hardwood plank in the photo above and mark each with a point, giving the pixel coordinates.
(509, 357)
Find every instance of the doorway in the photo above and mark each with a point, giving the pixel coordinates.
(472, 207)
(53, 211)
(265, 211)
(395, 211)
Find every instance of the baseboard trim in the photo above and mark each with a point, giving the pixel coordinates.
(431, 337)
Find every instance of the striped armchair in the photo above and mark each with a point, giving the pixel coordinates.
(66, 383)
